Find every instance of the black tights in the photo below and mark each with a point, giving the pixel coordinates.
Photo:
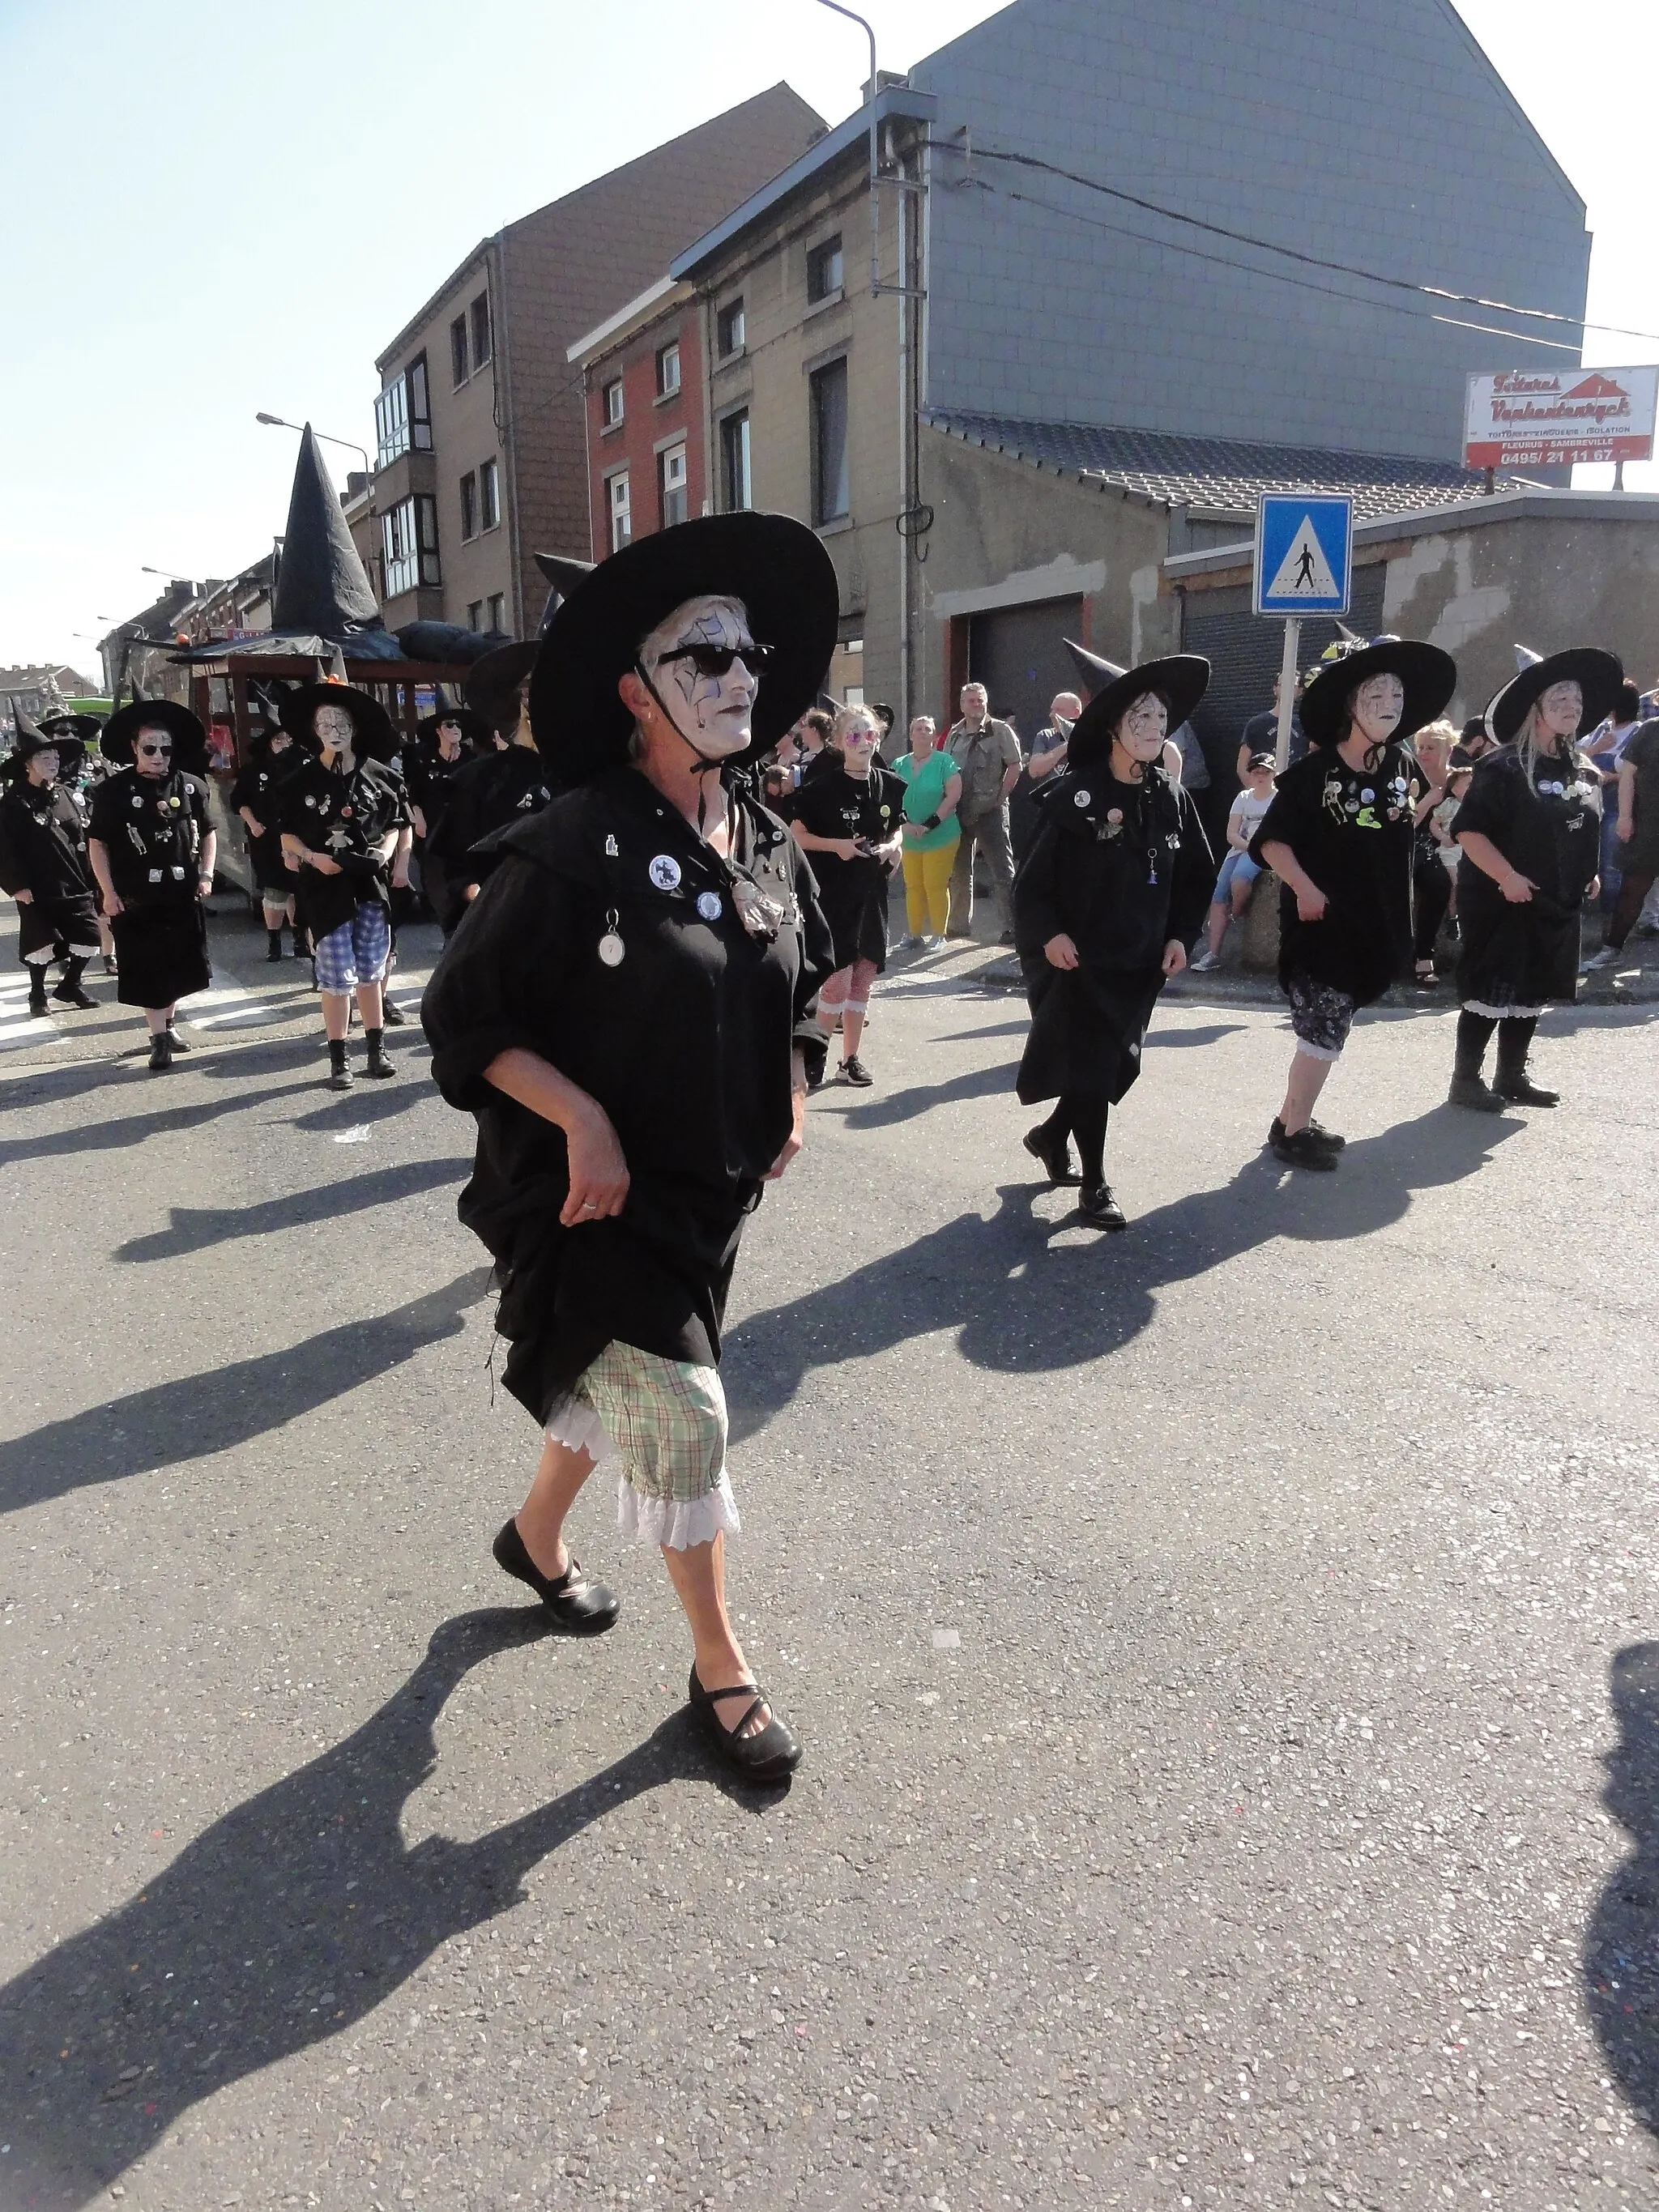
(1431, 890)
(1081, 1114)
(1474, 1032)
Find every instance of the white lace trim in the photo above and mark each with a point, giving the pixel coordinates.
(579, 1428)
(1502, 1013)
(676, 1521)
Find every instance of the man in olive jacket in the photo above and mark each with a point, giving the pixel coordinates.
(987, 753)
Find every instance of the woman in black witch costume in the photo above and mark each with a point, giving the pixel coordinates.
(490, 794)
(1531, 825)
(1338, 835)
(444, 744)
(1117, 880)
(254, 796)
(627, 1008)
(44, 865)
(152, 849)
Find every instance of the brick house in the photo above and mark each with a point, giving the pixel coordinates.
(480, 421)
(1094, 385)
(646, 461)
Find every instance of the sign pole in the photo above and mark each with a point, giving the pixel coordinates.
(1286, 692)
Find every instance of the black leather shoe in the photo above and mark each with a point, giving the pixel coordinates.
(1516, 1088)
(772, 1754)
(175, 1040)
(72, 994)
(1317, 1130)
(1301, 1150)
(585, 1607)
(160, 1053)
(392, 1013)
(1472, 1091)
(1100, 1209)
(1056, 1158)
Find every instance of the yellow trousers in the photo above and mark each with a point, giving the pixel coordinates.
(928, 888)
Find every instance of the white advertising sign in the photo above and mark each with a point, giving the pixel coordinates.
(1544, 418)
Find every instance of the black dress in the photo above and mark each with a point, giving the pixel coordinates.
(258, 788)
(346, 816)
(43, 851)
(1351, 831)
(1514, 960)
(153, 829)
(482, 800)
(428, 777)
(852, 893)
(1121, 869)
(685, 1042)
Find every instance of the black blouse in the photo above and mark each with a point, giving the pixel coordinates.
(482, 798)
(43, 843)
(1351, 830)
(685, 1042)
(347, 816)
(1119, 868)
(153, 829)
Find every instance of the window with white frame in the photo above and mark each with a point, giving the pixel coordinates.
(671, 485)
(409, 544)
(735, 494)
(668, 370)
(622, 513)
(490, 496)
(613, 403)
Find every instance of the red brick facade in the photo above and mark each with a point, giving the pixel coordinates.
(655, 428)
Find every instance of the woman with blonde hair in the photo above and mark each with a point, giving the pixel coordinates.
(1431, 882)
(846, 818)
(1531, 825)
(933, 784)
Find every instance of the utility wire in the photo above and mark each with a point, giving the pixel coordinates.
(1268, 245)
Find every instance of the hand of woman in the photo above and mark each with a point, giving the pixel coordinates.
(1060, 951)
(598, 1173)
(1516, 887)
(1626, 828)
(793, 1142)
(847, 849)
(112, 906)
(1175, 956)
(24, 899)
(323, 864)
(1311, 902)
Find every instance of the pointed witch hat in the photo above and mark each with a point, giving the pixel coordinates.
(321, 587)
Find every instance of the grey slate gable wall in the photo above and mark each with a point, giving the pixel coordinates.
(1394, 145)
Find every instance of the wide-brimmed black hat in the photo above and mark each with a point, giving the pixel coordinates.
(374, 733)
(492, 684)
(80, 729)
(476, 730)
(30, 739)
(190, 744)
(1181, 678)
(1599, 676)
(775, 566)
(1428, 676)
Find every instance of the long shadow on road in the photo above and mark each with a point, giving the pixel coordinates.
(1020, 1308)
(287, 1922)
(223, 1407)
(197, 1228)
(1621, 1944)
(128, 1129)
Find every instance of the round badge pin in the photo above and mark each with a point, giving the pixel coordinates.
(664, 873)
(709, 905)
(1082, 798)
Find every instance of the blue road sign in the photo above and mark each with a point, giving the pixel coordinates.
(1304, 553)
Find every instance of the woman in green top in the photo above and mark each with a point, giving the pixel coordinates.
(932, 832)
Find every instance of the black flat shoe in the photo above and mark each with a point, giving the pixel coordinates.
(72, 994)
(393, 1014)
(1100, 1209)
(160, 1053)
(1056, 1158)
(771, 1755)
(1317, 1130)
(1302, 1149)
(585, 1607)
(1518, 1089)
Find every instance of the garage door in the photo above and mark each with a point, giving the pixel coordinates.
(1018, 653)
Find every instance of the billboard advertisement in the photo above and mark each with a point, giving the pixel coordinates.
(1544, 418)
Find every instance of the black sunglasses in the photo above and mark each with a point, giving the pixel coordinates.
(716, 659)
(159, 751)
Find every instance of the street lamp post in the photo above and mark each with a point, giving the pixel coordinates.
(875, 255)
(280, 423)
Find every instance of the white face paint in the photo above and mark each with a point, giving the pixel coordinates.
(1144, 727)
(449, 739)
(151, 763)
(333, 727)
(1560, 710)
(42, 768)
(858, 742)
(1376, 707)
(713, 714)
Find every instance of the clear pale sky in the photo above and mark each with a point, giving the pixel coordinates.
(208, 211)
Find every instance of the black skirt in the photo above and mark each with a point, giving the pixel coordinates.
(65, 924)
(1514, 955)
(1087, 1028)
(161, 952)
(853, 895)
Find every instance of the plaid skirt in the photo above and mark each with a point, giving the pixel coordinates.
(663, 1421)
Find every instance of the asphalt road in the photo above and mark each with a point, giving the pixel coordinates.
(1233, 1743)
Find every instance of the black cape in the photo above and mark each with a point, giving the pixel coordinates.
(1527, 955)
(258, 788)
(483, 799)
(1119, 868)
(153, 829)
(346, 816)
(852, 893)
(1351, 830)
(685, 1042)
(43, 843)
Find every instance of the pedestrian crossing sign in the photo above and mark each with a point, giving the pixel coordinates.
(1304, 553)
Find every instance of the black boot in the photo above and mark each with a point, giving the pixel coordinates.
(377, 1063)
(161, 1052)
(69, 992)
(273, 945)
(339, 1067)
(37, 989)
(175, 1040)
(1514, 1083)
(392, 1013)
